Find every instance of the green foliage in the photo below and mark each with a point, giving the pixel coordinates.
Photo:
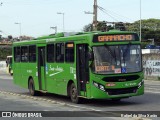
(0, 37)
(5, 51)
(102, 26)
(88, 28)
(150, 29)
(144, 44)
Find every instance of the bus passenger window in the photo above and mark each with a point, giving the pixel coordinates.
(50, 53)
(60, 52)
(24, 54)
(32, 53)
(17, 54)
(69, 52)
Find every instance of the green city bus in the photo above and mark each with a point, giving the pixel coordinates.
(9, 65)
(91, 65)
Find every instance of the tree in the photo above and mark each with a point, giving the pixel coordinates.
(0, 37)
(10, 37)
(88, 28)
(102, 26)
(120, 26)
(150, 29)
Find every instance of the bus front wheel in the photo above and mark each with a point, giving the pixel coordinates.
(31, 87)
(10, 72)
(74, 94)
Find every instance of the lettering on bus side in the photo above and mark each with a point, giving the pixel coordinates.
(29, 71)
(56, 70)
(73, 71)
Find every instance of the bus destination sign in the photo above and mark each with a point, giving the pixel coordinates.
(110, 38)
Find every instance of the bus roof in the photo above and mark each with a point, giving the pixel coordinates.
(70, 35)
(9, 56)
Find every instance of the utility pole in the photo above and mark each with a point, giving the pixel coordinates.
(95, 15)
(95, 22)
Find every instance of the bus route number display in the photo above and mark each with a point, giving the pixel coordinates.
(110, 38)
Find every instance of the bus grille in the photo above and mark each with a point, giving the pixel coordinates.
(121, 78)
(121, 91)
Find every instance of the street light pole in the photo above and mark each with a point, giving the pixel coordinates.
(55, 28)
(19, 27)
(63, 19)
(140, 24)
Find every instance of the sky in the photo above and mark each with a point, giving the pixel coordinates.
(37, 16)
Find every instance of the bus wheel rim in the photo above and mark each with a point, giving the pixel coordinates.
(31, 88)
(74, 93)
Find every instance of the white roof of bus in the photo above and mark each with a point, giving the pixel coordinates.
(9, 56)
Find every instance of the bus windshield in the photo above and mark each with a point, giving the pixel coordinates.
(117, 59)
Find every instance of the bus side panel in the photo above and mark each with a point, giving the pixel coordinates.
(17, 76)
(24, 74)
(32, 72)
(58, 77)
(50, 80)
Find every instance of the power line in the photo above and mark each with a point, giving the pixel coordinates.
(118, 15)
(115, 14)
(103, 10)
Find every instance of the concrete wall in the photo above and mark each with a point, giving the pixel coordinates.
(151, 65)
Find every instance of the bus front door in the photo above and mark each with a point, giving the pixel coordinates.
(41, 68)
(82, 68)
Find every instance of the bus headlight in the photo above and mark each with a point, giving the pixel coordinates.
(99, 86)
(141, 83)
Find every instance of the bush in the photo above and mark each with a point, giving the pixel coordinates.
(5, 51)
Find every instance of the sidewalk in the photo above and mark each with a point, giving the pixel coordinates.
(2, 65)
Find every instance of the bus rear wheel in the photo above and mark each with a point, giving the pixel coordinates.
(31, 88)
(74, 94)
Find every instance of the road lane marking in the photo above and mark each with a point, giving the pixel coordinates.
(49, 101)
(66, 104)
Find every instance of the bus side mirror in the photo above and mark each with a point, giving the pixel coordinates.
(90, 56)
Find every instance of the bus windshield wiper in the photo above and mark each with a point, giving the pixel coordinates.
(110, 51)
(125, 52)
(128, 47)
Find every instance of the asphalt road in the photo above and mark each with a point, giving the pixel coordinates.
(13, 97)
